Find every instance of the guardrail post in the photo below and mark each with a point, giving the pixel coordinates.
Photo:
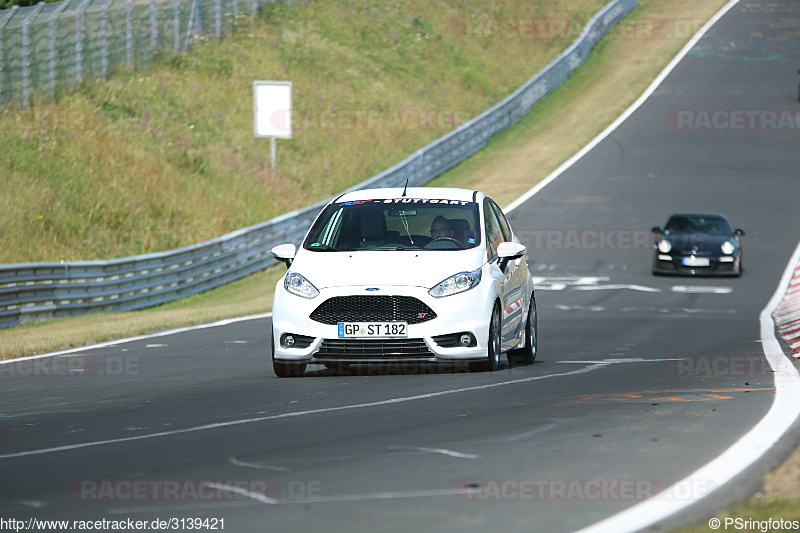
(4, 18)
(129, 33)
(79, 40)
(26, 53)
(199, 14)
(153, 28)
(52, 44)
(104, 32)
(176, 26)
(189, 25)
(218, 16)
(418, 161)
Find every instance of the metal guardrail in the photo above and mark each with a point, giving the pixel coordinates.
(37, 291)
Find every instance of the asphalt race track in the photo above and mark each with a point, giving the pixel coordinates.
(639, 381)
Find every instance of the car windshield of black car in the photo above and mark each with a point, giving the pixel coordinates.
(707, 225)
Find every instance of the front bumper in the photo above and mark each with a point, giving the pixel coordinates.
(429, 341)
(717, 265)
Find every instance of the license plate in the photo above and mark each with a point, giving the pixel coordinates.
(373, 329)
(695, 261)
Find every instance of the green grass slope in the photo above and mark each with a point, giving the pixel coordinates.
(164, 155)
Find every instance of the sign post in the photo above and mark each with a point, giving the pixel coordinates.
(272, 112)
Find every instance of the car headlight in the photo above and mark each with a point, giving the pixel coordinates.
(300, 286)
(727, 247)
(463, 281)
(664, 246)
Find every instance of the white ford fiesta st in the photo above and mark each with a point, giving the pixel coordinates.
(394, 275)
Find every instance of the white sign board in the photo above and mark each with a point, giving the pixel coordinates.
(272, 109)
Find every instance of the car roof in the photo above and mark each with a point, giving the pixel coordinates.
(447, 193)
(707, 214)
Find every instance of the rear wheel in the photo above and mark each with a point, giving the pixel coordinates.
(527, 354)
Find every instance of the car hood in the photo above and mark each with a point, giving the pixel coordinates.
(702, 241)
(417, 268)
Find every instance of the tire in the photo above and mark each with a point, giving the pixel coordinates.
(281, 368)
(495, 344)
(527, 354)
(288, 370)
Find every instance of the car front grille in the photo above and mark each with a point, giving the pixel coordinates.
(372, 309)
(366, 348)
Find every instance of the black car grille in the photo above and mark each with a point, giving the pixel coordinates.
(365, 348)
(372, 309)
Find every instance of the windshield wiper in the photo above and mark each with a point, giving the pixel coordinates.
(397, 248)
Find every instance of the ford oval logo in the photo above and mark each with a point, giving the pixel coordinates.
(372, 289)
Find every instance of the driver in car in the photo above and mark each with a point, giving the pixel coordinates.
(443, 234)
(440, 227)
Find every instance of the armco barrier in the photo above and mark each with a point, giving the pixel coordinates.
(36, 291)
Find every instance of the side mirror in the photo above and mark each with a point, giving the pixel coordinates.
(739, 232)
(284, 253)
(507, 251)
(656, 229)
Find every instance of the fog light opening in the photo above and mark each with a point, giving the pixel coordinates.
(465, 339)
(287, 340)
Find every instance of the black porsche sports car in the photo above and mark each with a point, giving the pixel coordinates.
(698, 244)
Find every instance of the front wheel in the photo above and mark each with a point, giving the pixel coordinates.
(288, 370)
(495, 342)
(283, 369)
(527, 354)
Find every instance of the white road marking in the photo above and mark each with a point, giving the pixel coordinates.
(236, 462)
(425, 493)
(263, 498)
(443, 451)
(561, 282)
(617, 361)
(252, 495)
(217, 425)
(156, 346)
(689, 289)
(640, 288)
(27, 503)
(592, 308)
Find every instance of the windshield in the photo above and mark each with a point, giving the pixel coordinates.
(396, 224)
(709, 225)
